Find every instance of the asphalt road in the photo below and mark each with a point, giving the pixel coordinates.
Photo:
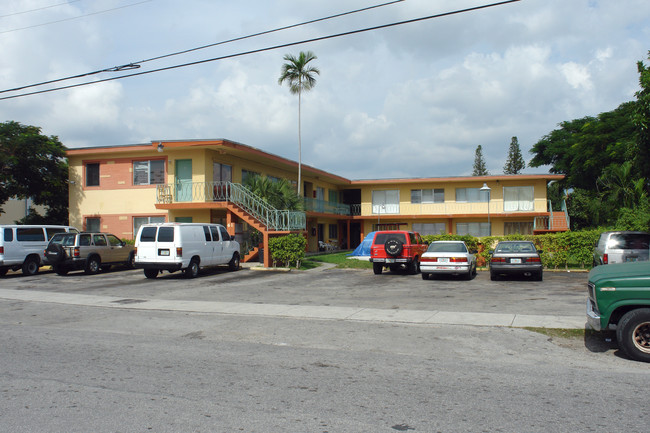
(72, 368)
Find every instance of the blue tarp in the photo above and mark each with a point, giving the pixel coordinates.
(364, 247)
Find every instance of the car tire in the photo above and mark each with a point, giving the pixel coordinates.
(393, 247)
(151, 273)
(539, 276)
(30, 266)
(469, 275)
(377, 268)
(633, 334)
(494, 276)
(192, 270)
(93, 265)
(233, 264)
(425, 275)
(60, 270)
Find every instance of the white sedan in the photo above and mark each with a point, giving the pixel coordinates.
(448, 257)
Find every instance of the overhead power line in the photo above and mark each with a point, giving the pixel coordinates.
(136, 65)
(75, 18)
(39, 9)
(275, 47)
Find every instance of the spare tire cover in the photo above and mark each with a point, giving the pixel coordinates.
(393, 247)
(55, 253)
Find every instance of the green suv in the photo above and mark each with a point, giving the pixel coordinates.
(90, 252)
(619, 298)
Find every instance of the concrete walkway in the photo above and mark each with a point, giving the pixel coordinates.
(303, 312)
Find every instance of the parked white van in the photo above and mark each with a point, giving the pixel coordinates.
(22, 246)
(184, 246)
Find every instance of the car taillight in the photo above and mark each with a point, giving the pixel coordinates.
(498, 260)
(605, 258)
(179, 252)
(458, 259)
(135, 251)
(76, 252)
(533, 260)
(2, 250)
(428, 259)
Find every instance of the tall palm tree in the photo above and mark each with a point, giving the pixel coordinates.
(300, 76)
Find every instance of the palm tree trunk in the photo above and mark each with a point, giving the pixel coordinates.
(299, 146)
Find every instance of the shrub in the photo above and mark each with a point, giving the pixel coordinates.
(287, 249)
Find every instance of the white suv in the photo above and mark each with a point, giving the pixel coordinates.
(184, 246)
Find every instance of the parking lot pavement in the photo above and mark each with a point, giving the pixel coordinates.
(329, 294)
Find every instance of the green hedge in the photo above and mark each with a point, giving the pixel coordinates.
(286, 250)
(559, 249)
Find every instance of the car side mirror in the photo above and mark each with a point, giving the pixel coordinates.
(473, 251)
(540, 251)
(491, 252)
(232, 237)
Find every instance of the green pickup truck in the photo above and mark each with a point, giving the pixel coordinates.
(619, 298)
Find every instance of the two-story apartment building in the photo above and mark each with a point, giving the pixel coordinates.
(118, 188)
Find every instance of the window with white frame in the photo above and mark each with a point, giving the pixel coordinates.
(473, 229)
(385, 202)
(471, 195)
(430, 228)
(148, 172)
(436, 195)
(518, 198)
(138, 221)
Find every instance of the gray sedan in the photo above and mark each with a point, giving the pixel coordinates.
(516, 258)
(448, 257)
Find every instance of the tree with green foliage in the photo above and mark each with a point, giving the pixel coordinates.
(642, 120)
(515, 162)
(299, 74)
(479, 163)
(279, 194)
(33, 166)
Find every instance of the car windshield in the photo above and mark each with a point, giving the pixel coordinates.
(515, 247)
(446, 247)
(629, 241)
(65, 239)
(381, 238)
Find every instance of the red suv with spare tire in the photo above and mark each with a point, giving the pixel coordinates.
(396, 250)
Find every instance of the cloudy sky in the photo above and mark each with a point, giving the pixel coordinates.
(413, 100)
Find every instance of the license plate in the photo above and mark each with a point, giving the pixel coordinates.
(515, 260)
(390, 260)
(443, 259)
(163, 252)
(631, 259)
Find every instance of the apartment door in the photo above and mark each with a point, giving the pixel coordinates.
(183, 180)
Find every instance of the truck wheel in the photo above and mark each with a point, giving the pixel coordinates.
(92, 265)
(377, 268)
(633, 334)
(60, 269)
(3, 271)
(192, 269)
(151, 273)
(30, 266)
(233, 264)
(413, 267)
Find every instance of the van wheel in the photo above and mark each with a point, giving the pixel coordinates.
(92, 265)
(30, 267)
(633, 334)
(233, 265)
(3, 271)
(192, 270)
(151, 273)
